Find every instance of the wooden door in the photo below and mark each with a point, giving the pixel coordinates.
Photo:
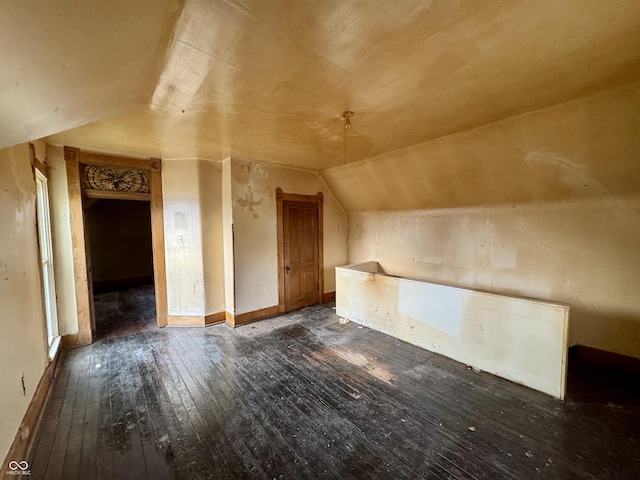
(301, 254)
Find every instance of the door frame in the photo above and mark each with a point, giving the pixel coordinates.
(74, 157)
(282, 197)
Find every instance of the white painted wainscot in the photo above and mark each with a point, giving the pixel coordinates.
(522, 340)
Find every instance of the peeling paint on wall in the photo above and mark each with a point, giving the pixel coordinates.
(255, 227)
(249, 201)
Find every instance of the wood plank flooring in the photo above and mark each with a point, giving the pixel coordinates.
(303, 396)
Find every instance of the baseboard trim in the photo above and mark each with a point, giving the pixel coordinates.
(185, 320)
(250, 317)
(214, 318)
(70, 340)
(85, 337)
(329, 297)
(23, 442)
(195, 320)
(604, 358)
(73, 340)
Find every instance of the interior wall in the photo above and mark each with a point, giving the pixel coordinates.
(581, 252)
(227, 238)
(194, 241)
(183, 237)
(22, 329)
(210, 176)
(119, 242)
(61, 240)
(544, 205)
(255, 229)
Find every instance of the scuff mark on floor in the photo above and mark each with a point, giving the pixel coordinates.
(376, 369)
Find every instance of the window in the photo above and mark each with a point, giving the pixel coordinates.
(46, 262)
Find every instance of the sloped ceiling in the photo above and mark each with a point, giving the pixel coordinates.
(68, 63)
(587, 147)
(268, 80)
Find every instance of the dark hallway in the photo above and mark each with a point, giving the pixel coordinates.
(123, 312)
(119, 233)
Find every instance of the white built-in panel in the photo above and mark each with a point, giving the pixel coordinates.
(523, 340)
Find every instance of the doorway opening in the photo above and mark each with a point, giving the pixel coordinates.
(120, 261)
(93, 176)
(300, 258)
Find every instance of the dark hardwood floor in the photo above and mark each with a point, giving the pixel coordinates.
(126, 311)
(303, 396)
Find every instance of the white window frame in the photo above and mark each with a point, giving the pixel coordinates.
(46, 262)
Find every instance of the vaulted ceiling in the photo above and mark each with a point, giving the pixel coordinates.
(268, 80)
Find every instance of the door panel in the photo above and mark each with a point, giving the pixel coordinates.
(301, 256)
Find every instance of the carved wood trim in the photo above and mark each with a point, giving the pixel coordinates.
(74, 158)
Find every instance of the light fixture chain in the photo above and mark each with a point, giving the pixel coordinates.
(347, 114)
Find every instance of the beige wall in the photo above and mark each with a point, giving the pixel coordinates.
(545, 205)
(62, 247)
(192, 199)
(255, 229)
(210, 177)
(227, 238)
(582, 252)
(22, 323)
(183, 237)
(255, 236)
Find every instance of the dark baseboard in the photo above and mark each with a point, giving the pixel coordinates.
(329, 297)
(603, 358)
